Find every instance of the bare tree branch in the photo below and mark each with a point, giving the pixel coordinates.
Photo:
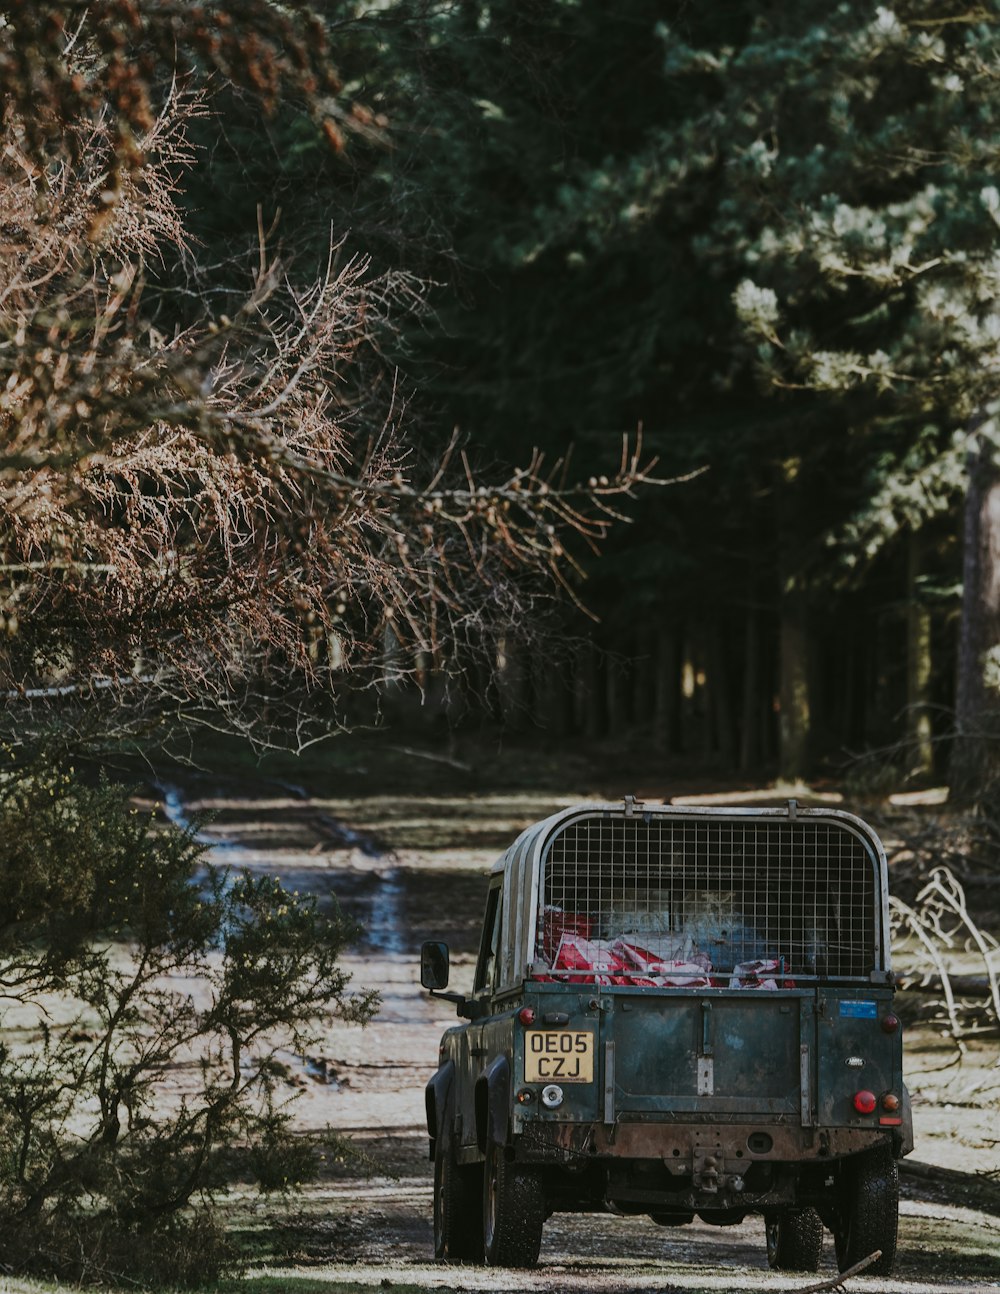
(229, 518)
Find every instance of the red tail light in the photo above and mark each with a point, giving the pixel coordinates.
(890, 1023)
(526, 1015)
(864, 1102)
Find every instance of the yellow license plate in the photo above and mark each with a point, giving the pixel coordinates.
(559, 1056)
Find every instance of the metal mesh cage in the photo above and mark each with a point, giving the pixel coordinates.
(707, 897)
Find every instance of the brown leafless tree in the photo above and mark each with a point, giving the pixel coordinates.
(226, 515)
(67, 61)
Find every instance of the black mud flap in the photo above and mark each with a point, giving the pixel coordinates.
(435, 1100)
(493, 1104)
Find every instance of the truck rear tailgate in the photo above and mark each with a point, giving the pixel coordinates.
(747, 1052)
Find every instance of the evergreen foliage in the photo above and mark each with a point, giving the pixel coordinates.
(149, 1006)
(770, 235)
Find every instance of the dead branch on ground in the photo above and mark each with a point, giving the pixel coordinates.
(940, 927)
(836, 1283)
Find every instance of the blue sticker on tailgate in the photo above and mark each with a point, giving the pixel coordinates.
(859, 1010)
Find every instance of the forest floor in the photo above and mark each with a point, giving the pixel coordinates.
(411, 864)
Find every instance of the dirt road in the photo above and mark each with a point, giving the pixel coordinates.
(415, 868)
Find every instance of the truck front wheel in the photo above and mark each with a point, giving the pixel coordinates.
(513, 1211)
(794, 1240)
(458, 1222)
(869, 1211)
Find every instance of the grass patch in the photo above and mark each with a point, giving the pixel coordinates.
(282, 1284)
(264, 1283)
(947, 1249)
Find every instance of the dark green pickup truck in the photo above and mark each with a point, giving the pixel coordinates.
(676, 1011)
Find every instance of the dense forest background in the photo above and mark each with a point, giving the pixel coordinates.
(762, 240)
(767, 236)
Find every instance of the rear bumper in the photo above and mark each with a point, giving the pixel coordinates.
(680, 1146)
(712, 1169)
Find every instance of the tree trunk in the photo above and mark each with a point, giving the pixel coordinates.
(721, 711)
(667, 690)
(696, 723)
(393, 681)
(552, 684)
(750, 735)
(918, 671)
(850, 687)
(511, 682)
(793, 692)
(591, 719)
(617, 694)
(975, 762)
(643, 673)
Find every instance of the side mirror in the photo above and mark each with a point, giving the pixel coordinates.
(434, 965)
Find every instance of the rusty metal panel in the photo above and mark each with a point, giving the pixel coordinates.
(855, 1053)
(739, 1053)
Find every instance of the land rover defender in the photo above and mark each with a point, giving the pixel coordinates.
(676, 1011)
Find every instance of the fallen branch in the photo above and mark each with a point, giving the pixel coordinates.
(935, 1173)
(436, 759)
(940, 923)
(986, 1188)
(932, 985)
(836, 1283)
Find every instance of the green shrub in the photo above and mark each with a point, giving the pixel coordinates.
(143, 999)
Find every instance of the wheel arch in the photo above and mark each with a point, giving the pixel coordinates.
(492, 1104)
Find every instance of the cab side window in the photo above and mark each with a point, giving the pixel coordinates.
(489, 950)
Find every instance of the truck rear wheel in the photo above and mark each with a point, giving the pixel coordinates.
(794, 1240)
(513, 1211)
(869, 1211)
(458, 1222)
